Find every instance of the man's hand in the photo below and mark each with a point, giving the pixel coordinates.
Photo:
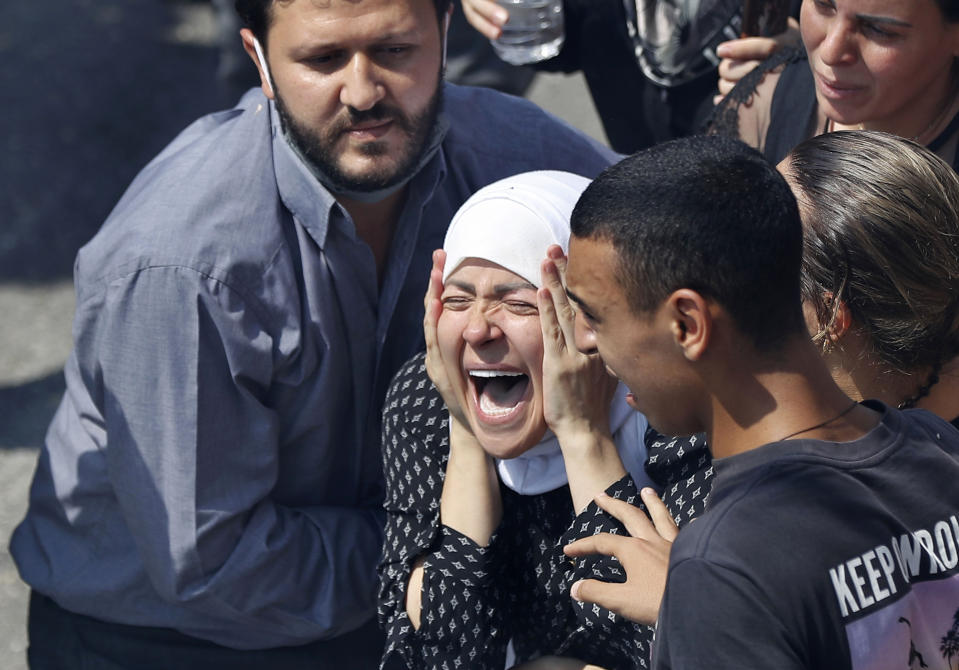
(644, 556)
(741, 56)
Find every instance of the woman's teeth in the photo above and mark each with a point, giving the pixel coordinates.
(499, 391)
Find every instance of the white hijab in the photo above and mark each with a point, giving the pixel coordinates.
(511, 223)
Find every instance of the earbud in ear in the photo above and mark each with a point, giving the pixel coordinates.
(446, 28)
(263, 64)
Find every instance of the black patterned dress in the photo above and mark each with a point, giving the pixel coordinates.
(475, 600)
(683, 469)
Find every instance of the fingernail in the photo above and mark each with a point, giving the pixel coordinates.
(722, 50)
(501, 16)
(647, 492)
(574, 591)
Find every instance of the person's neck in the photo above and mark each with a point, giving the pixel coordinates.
(759, 400)
(865, 379)
(860, 375)
(375, 223)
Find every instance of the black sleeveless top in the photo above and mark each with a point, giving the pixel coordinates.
(792, 116)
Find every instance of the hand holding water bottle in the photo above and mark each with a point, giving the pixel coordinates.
(486, 16)
(522, 31)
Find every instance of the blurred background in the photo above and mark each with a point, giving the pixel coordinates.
(90, 91)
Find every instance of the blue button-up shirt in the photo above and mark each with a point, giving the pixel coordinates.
(214, 464)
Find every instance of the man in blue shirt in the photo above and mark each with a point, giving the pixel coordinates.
(210, 482)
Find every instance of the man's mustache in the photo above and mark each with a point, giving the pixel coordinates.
(378, 113)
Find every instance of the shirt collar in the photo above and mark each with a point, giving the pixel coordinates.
(872, 444)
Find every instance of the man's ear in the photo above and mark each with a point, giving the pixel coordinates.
(253, 49)
(691, 322)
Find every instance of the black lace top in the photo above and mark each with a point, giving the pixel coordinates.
(793, 114)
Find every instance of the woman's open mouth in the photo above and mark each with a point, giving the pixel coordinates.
(498, 394)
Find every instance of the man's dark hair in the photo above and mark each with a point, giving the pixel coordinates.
(950, 10)
(257, 14)
(706, 213)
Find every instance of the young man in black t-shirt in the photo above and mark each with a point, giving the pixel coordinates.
(831, 538)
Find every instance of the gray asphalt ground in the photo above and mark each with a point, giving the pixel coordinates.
(90, 90)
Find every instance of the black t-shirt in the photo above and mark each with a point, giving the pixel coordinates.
(823, 555)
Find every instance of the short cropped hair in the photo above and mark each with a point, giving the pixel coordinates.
(257, 14)
(706, 213)
(949, 9)
(881, 223)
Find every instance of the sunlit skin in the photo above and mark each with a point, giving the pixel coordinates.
(328, 58)
(490, 322)
(638, 349)
(881, 64)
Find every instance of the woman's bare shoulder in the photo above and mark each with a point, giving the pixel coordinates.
(746, 111)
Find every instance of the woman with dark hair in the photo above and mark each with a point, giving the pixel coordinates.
(867, 65)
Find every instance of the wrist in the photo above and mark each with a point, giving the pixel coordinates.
(591, 469)
(583, 441)
(462, 438)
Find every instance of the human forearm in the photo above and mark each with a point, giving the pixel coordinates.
(423, 599)
(266, 577)
(471, 503)
(578, 392)
(301, 574)
(592, 465)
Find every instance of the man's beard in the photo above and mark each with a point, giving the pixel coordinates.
(319, 146)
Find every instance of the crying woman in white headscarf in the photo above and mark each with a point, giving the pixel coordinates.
(496, 442)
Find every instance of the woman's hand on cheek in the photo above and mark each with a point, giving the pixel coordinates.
(577, 390)
(437, 368)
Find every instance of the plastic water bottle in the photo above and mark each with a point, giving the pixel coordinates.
(534, 31)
